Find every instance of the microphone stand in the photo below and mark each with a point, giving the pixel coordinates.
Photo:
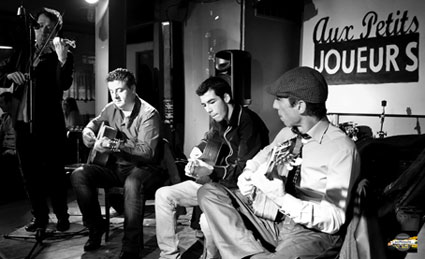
(41, 234)
(381, 133)
(29, 26)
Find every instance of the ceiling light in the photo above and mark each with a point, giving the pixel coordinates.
(92, 1)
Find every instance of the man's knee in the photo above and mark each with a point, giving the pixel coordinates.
(162, 194)
(204, 224)
(207, 193)
(132, 185)
(78, 176)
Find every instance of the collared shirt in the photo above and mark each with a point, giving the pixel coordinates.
(140, 131)
(330, 166)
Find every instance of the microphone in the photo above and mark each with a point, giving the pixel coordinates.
(21, 11)
(31, 20)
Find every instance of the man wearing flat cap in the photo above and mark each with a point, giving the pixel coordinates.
(295, 192)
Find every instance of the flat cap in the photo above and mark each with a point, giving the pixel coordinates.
(304, 83)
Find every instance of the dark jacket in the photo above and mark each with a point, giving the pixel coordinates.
(242, 138)
(49, 80)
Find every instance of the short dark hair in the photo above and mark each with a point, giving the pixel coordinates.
(52, 14)
(312, 109)
(7, 96)
(123, 75)
(216, 83)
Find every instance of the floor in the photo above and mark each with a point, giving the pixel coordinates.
(16, 243)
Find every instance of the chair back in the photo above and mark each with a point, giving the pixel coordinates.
(363, 238)
(168, 163)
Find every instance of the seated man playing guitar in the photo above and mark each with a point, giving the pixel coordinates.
(236, 135)
(133, 161)
(307, 174)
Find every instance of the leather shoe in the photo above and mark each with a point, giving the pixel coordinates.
(95, 237)
(62, 225)
(36, 224)
(128, 255)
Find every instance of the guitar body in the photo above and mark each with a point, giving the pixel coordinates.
(214, 152)
(287, 151)
(102, 158)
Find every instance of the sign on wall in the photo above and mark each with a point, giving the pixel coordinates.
(382, 50)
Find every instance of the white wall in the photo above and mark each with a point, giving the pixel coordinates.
(210, 27)
(274, 45)
(366, 97)
(102, 49)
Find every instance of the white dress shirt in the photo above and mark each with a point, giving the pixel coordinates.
(330, 166)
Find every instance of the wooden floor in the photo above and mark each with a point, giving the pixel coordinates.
(16, 243)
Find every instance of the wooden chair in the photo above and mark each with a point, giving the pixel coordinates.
(168, 163)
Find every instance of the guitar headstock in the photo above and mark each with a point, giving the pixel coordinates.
(283, 154)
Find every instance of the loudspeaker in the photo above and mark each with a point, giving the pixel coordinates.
(235, 66)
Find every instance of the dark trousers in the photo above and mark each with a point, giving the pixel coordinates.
(196, 215)
(137, 182)
(11, 183)
(43, 171)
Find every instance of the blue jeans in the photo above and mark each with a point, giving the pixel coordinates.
(137, 182)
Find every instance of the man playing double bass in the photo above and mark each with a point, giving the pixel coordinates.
(239, 131)
(38, 73)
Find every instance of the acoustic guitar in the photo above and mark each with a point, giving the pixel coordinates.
(287, 154)
(96, 157)
(214, 153)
